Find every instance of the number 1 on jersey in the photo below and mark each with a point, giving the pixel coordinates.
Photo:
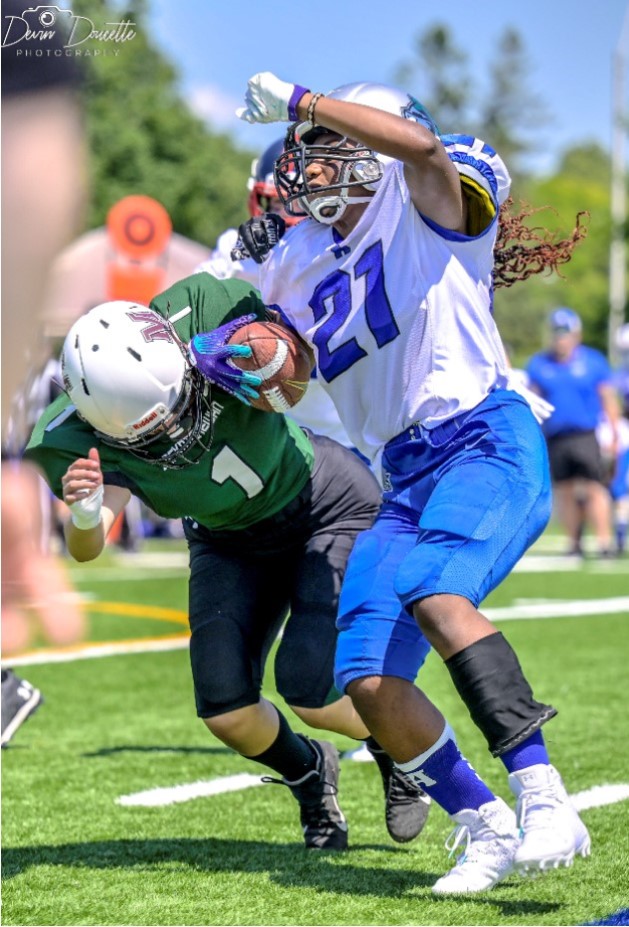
(228, 465)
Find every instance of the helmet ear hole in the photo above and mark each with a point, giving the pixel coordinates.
(368, 173)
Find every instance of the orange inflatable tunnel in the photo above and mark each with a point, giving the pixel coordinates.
(139, 230)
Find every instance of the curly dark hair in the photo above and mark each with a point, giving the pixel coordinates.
(521, 251)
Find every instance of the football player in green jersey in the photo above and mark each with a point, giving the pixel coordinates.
(270, 514)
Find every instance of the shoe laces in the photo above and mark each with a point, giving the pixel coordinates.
(454, 841)
(533, 805)
(402, 790)
(310, 791)
(473, 848)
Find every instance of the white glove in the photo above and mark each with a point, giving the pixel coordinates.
(540, 408)
(86, 512)
(269, 99)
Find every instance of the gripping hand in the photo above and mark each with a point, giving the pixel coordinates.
(257, 236)
(269, 99)
(212, 355)
(83, 490)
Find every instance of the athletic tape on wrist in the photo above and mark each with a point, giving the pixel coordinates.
(86, 512)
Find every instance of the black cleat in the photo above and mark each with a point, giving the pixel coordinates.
(406, 805)
(323, 822)
(19, 701)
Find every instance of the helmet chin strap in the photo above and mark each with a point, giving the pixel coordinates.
(338, 203)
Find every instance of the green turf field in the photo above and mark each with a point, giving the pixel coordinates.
(118, 725)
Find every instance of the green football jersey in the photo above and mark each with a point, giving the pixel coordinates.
(256, 463)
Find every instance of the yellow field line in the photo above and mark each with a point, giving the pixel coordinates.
(149, 612)
(155, 612)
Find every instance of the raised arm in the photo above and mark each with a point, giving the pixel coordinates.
(432, 179)
(93, 507)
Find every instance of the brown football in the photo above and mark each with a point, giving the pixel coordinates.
(281, 358)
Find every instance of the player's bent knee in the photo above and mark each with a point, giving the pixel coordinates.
(318, 718)
(366, 694)
(435, 613)
(233, 724)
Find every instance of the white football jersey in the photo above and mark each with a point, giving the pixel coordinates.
(399, 312)
(315, 409)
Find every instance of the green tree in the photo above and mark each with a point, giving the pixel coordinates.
(507, 115)
(444, 86)
(581, 183)
(511, 115)
(143, 138)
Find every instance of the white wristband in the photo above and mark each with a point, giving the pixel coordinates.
(86, 512)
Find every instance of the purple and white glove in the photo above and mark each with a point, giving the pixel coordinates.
(212, 355)
(269, 99)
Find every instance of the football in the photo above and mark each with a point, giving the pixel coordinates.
(281, 358)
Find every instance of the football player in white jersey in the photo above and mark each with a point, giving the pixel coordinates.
(406, 804)
(390, 280)
(316, 409)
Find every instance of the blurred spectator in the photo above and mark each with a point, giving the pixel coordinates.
(621, 374)
(577, 380)
(619, 486)
(42, 200)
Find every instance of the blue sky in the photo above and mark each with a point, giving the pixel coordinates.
(217, 45)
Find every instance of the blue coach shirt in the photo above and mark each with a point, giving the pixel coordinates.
(572, 387)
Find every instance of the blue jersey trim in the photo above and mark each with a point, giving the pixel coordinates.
(451, 235)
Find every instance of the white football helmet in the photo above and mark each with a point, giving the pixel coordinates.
(359, 166)
(128, 375)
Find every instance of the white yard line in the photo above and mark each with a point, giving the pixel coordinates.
(92, 651)
(142, 565)
(596, 797)
(579, 608)
(600, 795)
(153, 798)
(538, 562)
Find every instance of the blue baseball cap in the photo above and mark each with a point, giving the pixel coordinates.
(565, 320)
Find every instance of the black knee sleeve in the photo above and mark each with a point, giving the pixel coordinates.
(489, 679)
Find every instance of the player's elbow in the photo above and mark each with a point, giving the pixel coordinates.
(424, 147)
(82, 549)
(82, 556)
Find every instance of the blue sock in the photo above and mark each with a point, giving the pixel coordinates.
(529, 753)
(444, 774)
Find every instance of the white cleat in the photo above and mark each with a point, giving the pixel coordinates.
(551, 830)
(491, 840)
